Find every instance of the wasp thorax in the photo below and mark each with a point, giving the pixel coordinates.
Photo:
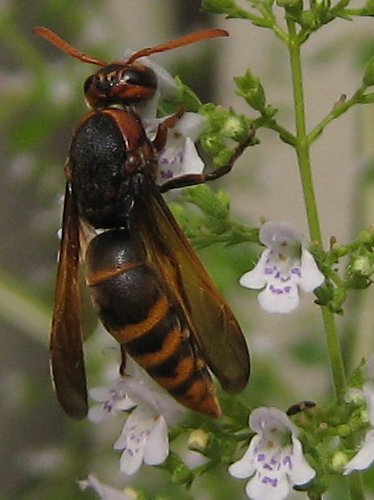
(123, 84)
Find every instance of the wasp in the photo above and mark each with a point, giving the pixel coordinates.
(149, 288)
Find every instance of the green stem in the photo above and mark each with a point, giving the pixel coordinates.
(303, 155)
(302, 144)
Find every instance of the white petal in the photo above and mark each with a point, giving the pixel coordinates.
(279, 299)
(301, 471)
(134, 437)
(364, 458)
(272, 233)
(98, 413)
(191, 125)
(264, 420)
(157, 445)
(256, 278)
(148, 392)
(245, 467)
(311, 276)
(265, 488)
(100, 394)
(131, 460)
(139, 422)
(105, 492)
(192, 163)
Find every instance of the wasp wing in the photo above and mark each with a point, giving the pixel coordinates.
(215, 328)
(67, 363)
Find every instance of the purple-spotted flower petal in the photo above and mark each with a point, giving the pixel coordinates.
(112, 399)
(365, 456)
(274, 460)
(284, 266)
(179, 156)
(144, 438)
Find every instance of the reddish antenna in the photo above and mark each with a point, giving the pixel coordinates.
(179, 42)
(61, 44)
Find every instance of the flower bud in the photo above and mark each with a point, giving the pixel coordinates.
(339, 459)
(250, 88)
(198, 440)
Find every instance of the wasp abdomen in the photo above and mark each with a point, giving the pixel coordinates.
(141, 313)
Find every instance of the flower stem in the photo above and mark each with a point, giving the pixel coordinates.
(303, 154)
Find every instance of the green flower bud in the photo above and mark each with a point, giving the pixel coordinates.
(338, 461)
(235, 127)
(343, 430)
(363, 265)
(213, 143)
(250, 88)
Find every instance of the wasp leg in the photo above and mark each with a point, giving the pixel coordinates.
(193, 179)
(162, 131)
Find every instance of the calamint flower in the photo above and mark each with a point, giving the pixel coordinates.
(179, 156)
(144, 437)
(274, 461)
(284, 266)
(365, 456)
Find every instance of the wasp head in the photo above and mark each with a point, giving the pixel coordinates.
(120, 84)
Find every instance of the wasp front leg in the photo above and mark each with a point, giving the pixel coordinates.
(194, 179)
(159, 142)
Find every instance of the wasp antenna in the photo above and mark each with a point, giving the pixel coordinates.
(61, 44)
(179, 42)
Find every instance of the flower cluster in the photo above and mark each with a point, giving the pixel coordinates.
(284, 266)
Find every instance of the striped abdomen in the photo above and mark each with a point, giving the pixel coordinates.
(141, 312)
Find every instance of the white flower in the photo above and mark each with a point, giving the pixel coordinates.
(106, 492)
(365, 456)
(274, 461)
(179, 156)
(144, 437)
(284, 266)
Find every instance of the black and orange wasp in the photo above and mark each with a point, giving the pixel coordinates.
(148, 286)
